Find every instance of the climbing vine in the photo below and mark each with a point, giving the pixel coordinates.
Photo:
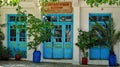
(96, 3)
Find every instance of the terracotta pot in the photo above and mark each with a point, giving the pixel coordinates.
(84, 61)
(17, 57)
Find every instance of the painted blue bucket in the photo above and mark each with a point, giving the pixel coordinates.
(112, 60)
(36, 56)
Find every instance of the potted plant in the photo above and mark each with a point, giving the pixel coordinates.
(85, 41)
(38, 31)
(18, 55)
(110, 37)
(4, 52)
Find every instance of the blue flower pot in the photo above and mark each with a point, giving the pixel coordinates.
(112, 60)
(36, 56)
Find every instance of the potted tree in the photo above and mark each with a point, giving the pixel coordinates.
(110, 37)
(38, 31)
(85, 41)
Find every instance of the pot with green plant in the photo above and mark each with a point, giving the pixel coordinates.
(110, 36)
(85, 41)
(18, 54)
(38, 31)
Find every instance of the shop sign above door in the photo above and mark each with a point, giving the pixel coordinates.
(57, 7)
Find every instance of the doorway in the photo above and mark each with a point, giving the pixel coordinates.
(59, 46)
(99, 52)
(16, 37)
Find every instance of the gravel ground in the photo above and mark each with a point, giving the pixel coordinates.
(31, 64)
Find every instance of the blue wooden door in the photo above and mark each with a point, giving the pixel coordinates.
(16, 37)
(59, 45)
(99, 52)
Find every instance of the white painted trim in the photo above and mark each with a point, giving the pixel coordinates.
(57, 60)
(98, 62)
(76, 26)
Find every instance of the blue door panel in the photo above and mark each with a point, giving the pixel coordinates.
(60, 47)
(68, 53)
(47, 52)
(16, 39)
(101, 53)
(58, 53)
(95, 53)
(105, 53)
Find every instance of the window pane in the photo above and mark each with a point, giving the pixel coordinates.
(58, 33)
(48, 18)
(68, 33)
(22, 33)
(99, 18)
(12, 39)
(106, 18)
(23, 18)
(12, 18)
(68, 18)
(93, 18)
(62, 18)
(54, 19)
(13, 32)
(22, 39)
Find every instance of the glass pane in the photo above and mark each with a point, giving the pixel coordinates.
(13, 32)
(58, 27)
(68, 18)
(99, 18)
(62, 18)
(12, 39)
(106, 18)
(12, 26)
(17, 18)
(54, 19)
(48, 18)
(58, 33)
(68, 33)
(22, 33)
(23, 18)
(22, 39)
(93, 18)
(12, 18)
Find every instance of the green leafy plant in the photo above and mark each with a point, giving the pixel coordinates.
(38, 30)
(110, 36)
(96, 3)
(4, 52)
(86, 40)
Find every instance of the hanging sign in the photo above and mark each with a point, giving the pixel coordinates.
(57, 7)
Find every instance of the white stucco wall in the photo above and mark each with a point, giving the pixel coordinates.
(81, 20)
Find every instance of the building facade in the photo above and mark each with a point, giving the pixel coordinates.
(66, 24)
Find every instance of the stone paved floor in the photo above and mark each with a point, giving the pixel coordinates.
(31, 64)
